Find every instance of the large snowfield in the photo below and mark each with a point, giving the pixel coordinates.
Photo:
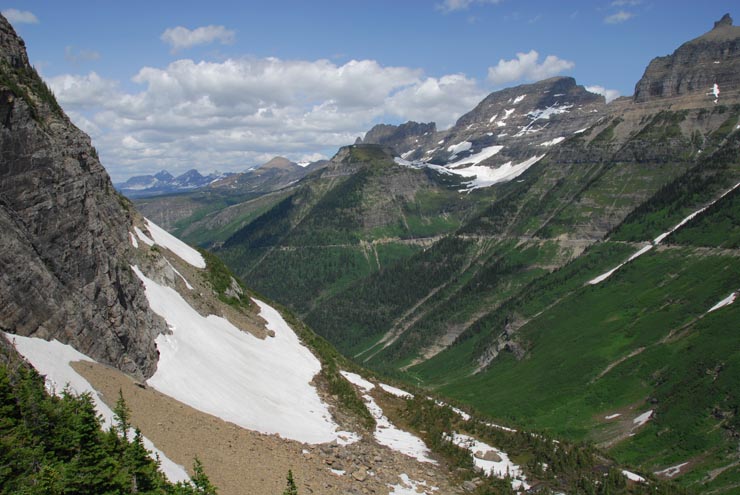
(261, 385)
(52, 359)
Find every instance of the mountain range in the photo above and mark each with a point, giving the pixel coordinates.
(538, 299)
(550, 259)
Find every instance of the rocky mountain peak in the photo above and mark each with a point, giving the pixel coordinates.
(279, 162)
(704, 68)
(724, 22)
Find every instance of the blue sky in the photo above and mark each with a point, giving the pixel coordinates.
(228, 84)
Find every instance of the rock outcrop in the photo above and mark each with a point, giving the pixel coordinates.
(401, 137)
(64, 251)
(707, 66)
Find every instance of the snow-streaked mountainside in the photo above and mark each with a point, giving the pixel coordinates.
(259, 384)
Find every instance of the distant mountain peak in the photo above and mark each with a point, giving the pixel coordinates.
(279, 162)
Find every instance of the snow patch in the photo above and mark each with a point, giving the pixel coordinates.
(672, 471)
(338, 472)
(612, 416)
(52, 359)
(724, 302)
(386, 433)
(396, 391)
(546, 113)
(143, 237)
(553, 142)
(581, 131)
(632, 476)
(358, 381)
(261, 385)
(643, 418)
(411, 487)
(500, 469)
(167, 240)
(457, 148)
(519, 99)
(134, 242)
(608, 274)
(690, 217)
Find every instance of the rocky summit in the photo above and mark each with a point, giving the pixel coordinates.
(706, 66)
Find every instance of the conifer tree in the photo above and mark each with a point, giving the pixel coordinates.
(290, 488)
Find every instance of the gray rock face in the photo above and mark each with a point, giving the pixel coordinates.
(401, 137)
(64, 251)
(696, 66)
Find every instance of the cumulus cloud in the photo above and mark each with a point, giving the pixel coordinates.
(16, 16)
(454, 5)
(180, 37)
(240, 112)
(609, 94)
(619, 17)
(527, 67)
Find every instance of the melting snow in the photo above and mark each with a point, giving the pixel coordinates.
(262, 385)
(338, 472)
(507, 113)
(411, 487)
(487, 176)
(386, 433)
(167, 240)
(52, 359)
(608, 274)
(396, 391)
(632, 476)
(358, 381)
(457, 148)
(553, 142)
(715, 92)
(408, 154)
(519, 98)
(500, 469)
(724, 302)
(134, 242)
(143, 237)
(546, 113)
(581, 131)
(643, 418)
(671, 471)
(683, 222)
(481, 176)
(612, 416)
(493, 118)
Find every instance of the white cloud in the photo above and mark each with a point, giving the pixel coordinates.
(454, 5)
(609, 94)
(525, 66)
(180, 37)
(76, 56)
(619, 17)
(240, 112)
(16, 16)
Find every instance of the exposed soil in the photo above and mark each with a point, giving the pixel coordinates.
(240, 461)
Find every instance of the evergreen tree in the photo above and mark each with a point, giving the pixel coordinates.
(290, 488)
(200, 481)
